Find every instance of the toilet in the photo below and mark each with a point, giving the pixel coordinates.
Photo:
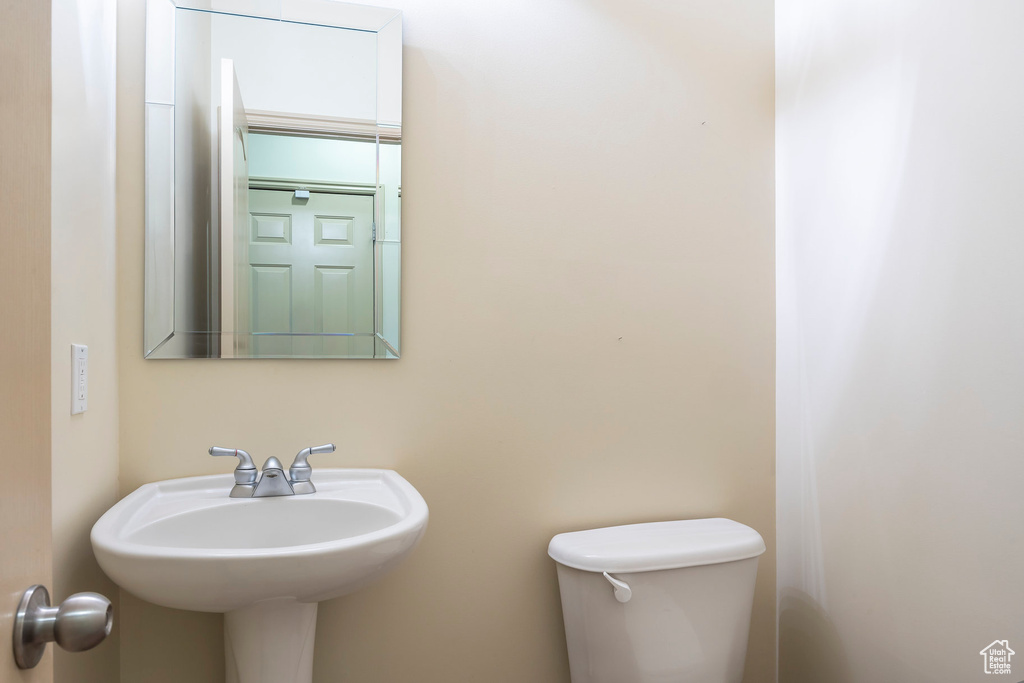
(662, 602)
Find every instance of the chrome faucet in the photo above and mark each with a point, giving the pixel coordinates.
(272, 481)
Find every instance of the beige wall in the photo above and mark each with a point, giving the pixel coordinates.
(85, 456)
(588, 329)
(901, 378)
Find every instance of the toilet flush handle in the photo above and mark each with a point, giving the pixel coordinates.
(622, 590)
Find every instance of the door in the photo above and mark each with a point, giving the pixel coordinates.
(24, 318)
(234, 214)
(311, 272)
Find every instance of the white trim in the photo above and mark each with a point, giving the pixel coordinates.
(337, 14)
(259, 183)
(261, 121)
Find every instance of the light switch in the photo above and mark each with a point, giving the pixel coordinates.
(79, 378)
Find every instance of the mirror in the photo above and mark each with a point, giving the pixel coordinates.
(273, 179)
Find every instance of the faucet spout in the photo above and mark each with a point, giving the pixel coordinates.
(273, 481)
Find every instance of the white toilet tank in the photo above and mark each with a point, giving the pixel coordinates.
(665, 602)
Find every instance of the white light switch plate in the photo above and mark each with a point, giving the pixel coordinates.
(79, 378)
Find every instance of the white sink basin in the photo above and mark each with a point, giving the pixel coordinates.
(266, 562)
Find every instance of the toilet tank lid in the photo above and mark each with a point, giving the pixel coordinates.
(656, 545)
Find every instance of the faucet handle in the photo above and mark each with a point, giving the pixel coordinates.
(245, 473)
(300, 470)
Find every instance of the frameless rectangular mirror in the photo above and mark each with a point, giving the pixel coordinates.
(273, 179)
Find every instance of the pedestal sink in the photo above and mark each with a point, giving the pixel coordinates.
(264, 562)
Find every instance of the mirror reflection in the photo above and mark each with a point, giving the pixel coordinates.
(273, 177)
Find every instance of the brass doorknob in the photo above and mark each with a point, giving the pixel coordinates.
(79, 623)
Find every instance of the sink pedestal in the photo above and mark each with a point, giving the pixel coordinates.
(270, 642)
